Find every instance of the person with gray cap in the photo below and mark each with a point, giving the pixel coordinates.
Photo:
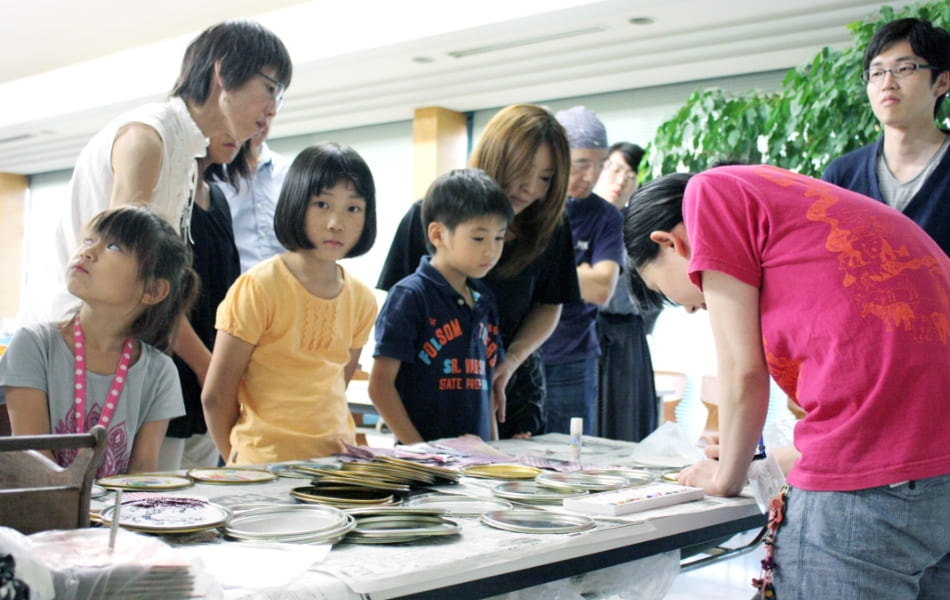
(570, 354)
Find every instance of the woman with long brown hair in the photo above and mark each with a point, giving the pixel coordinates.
(525, 150)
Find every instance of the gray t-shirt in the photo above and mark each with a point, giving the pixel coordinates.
(38, 357)
(898, 194)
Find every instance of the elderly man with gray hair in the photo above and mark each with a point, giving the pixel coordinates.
(570, 354)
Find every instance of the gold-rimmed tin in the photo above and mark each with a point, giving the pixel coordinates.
(337, 495)
(231, 475)
(502, 471)
(146, 482)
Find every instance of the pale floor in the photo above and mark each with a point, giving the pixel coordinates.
(727, 580)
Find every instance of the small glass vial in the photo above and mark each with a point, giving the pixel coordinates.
(577, 432)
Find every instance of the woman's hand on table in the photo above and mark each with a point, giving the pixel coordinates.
(702, 475)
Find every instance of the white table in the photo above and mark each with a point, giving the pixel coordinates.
(484, 561)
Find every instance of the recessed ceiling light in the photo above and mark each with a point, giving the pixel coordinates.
(641, 21)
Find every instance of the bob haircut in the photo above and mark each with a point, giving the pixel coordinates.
(314, 170)
(462, 195)
(657, 206)
(928, 42)
(506, 151)
(632, 154)
(161, 254)
(242, 47)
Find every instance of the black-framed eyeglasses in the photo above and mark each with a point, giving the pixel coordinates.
(277, 91)
(901, 71)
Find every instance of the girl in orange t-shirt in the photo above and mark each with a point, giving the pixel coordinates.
(291, 329)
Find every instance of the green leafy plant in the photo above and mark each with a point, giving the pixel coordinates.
(821, 112)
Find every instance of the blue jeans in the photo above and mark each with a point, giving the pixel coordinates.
(881, 542)
(571, 392)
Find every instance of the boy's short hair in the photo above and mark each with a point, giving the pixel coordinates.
(928, 42)
(657, 206)
(461, 195)
(315, 169)
(242, 47)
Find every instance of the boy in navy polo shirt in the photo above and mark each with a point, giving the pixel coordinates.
(437, 338)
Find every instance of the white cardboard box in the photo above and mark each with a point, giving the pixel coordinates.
(628, 500)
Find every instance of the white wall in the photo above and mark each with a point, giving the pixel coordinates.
(387, 149)
(681, 342)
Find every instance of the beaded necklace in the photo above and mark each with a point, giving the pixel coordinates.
(118, 381)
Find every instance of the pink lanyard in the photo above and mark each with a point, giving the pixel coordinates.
(79, 343)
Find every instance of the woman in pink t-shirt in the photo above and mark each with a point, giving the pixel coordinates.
(846, 304)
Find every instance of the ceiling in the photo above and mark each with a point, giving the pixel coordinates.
(359, 62)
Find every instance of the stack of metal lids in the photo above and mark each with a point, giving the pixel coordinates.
(372, 481)
(297, 523)
(361, 483)
(343, 496)
(292, 468)
(536, 521)
(441, 474)
(395, 525)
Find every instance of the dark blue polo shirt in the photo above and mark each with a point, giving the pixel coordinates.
(597, 228)
(448, 352)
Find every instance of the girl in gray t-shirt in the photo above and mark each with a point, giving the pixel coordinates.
(105, 365)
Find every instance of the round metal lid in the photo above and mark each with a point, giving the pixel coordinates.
(536, 521)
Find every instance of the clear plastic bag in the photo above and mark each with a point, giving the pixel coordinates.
(28, 570)
(79, 565)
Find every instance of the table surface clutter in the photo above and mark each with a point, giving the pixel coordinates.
(456, 518)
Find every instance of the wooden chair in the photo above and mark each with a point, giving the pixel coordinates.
(4, 420)
(37, 494)
(670, 387)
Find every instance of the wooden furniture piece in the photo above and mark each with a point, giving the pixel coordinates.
(4, 421)
(670, 387)
(37, 494)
